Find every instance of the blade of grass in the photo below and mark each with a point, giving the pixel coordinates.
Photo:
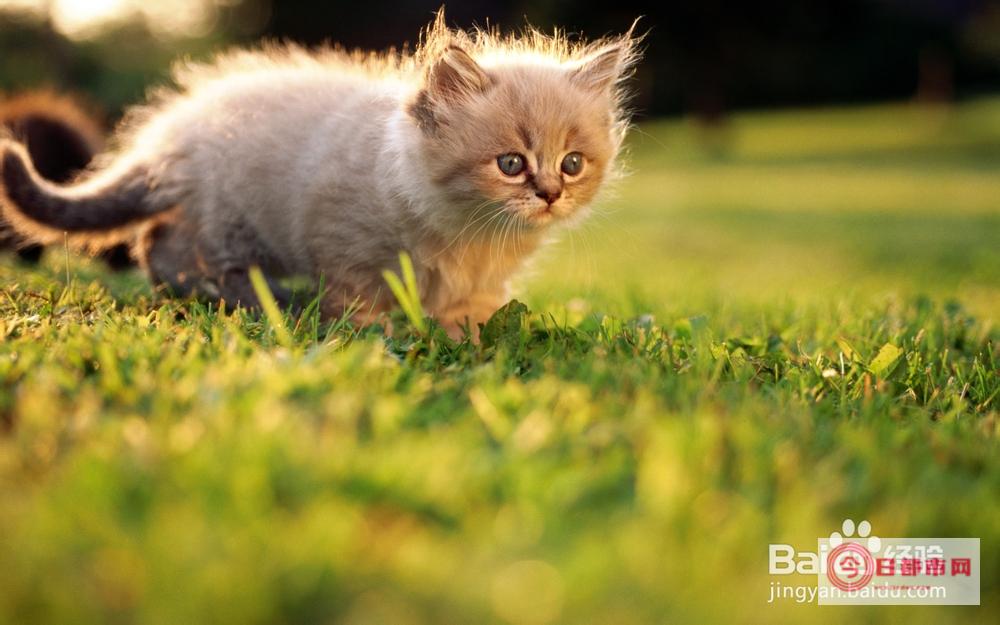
(406, 292)
(270, 306)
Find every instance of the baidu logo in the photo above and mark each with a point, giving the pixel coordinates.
(853, 566)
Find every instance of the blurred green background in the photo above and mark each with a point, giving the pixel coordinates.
(797, 207)
(666, 412)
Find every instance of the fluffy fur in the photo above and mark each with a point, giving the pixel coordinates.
(61, 137)
(329, 163)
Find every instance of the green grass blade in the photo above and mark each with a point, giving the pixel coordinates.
(406, 292)
(270, 306)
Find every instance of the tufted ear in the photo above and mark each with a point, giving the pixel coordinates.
(456, 75)
(601, 70)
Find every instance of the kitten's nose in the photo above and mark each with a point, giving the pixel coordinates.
(549, 195)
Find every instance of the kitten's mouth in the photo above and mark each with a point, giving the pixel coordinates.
(543, 216)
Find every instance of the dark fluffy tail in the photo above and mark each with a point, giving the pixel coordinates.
(112, 199)
(60, 134)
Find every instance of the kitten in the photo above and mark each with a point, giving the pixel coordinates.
(465, 154)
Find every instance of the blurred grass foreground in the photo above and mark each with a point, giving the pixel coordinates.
(774, 325)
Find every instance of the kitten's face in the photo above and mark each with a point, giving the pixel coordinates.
(532, 143)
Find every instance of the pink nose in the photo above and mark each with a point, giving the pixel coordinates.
(548, 195)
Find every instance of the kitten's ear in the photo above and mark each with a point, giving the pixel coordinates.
(601, 70)
(456, 75)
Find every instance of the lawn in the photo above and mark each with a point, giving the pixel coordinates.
(770, 327)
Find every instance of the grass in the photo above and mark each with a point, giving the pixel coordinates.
(771, 328)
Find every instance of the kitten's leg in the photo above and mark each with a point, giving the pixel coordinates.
(174, 259)
(366, 302)
(231, 246)
(469, 312)
(236, 287)
(169, 256)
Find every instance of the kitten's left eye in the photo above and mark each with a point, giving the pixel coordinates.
(572, 163)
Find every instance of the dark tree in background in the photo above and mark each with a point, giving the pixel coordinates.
(704, 57)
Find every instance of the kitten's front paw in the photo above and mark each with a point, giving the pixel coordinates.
(469, 314)
(465, 324)
(456, 331)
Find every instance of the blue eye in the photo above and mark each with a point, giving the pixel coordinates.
(572, 163)
(511, 164)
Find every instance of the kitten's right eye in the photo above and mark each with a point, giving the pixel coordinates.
(511, 164)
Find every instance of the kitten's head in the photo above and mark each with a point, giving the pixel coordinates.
(528, 128)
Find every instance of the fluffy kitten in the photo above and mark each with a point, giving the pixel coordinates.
(465, 154)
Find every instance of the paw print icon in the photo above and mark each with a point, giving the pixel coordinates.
(864, 531)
